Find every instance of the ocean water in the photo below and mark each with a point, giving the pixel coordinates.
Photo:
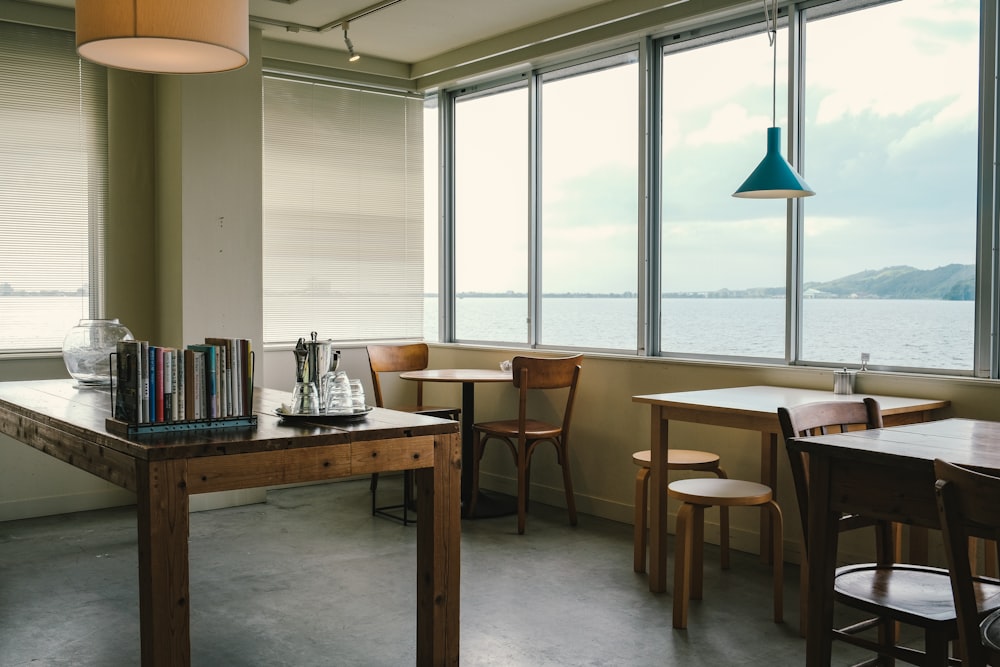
(38, 322)
(896, 333)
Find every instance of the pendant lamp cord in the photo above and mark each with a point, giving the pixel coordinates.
(771, 25)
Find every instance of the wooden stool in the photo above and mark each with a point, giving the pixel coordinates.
(677, 459)
(696, 495)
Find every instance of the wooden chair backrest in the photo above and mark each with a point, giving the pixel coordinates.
(546, 373)
(397, 359)
(821, 418)
(967, 507)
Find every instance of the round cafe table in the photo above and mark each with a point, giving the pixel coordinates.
(487, 505)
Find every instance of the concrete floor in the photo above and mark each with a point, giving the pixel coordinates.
(311, 578)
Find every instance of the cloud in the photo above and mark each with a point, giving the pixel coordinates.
(729, 124)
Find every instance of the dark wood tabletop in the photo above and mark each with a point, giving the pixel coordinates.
(885, 473)
(165, 469)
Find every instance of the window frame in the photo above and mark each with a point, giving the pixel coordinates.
(408, 215)
(533, 80)
(90, 118)
(794, 17)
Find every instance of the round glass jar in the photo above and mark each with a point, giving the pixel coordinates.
(87, 349)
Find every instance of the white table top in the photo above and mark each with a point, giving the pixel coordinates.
(764, 399)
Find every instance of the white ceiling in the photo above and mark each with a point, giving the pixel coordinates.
(409, 31)
(423, 43)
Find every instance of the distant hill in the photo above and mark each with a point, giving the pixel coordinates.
(955, 282)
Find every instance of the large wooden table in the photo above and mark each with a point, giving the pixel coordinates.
(751, 408)
(848, 472)
(164, 470)
(469, 377)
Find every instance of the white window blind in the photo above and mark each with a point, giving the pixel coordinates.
(53, 185)
(343, 213)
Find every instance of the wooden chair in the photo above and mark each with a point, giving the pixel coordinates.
(833, 417)
(967, 506)
(400, 359)
(523, 435)
(892, 593)
(695, 495)
(677, 459)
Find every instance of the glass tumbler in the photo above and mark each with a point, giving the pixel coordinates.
(357, 395)
(338, 399)
(305, 399)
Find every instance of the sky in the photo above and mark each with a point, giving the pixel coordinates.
(890, 149)
(890, 142)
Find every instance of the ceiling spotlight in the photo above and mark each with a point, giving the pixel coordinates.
(352, 56)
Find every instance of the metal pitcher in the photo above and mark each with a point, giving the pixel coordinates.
(321, 359)
(843, 381)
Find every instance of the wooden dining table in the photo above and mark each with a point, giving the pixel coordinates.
(486, 504)
(165, 469)
(885, 473)
(753, 408)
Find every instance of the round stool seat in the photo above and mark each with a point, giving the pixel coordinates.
(696, 496)
(677, 459)
(716, 491)
(680, 459)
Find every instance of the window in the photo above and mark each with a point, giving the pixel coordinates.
(889, 247)
(432, 221)
(589, 211)
(891, 112)
(568, 197)
(491, 215)
(722, 259)
(343, 212)
(53, 185)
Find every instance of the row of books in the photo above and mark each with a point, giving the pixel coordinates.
(159, 384)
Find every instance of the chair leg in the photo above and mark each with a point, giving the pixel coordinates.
(682, 565)
(777, 548)
(723, 527)
(373, 486)
(522, 488)
(803, 591)
(990, 558)
(697, 552)
(527, 483)
(477, 452)
(641, 508)
(568, 488)
(724, 538)
(936, 648)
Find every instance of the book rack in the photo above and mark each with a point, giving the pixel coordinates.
(123, 426)
(119, 427)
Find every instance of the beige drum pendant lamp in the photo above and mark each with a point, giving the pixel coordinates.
(164, 36)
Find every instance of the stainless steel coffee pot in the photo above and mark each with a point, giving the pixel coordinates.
(321, 359)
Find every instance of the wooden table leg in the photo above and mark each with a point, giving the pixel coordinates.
(439, 554)
(822, 551)
(163, 526)
(658, 501)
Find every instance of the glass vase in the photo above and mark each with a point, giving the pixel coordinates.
(87, 349)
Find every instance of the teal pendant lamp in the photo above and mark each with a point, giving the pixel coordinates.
(773, 178)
